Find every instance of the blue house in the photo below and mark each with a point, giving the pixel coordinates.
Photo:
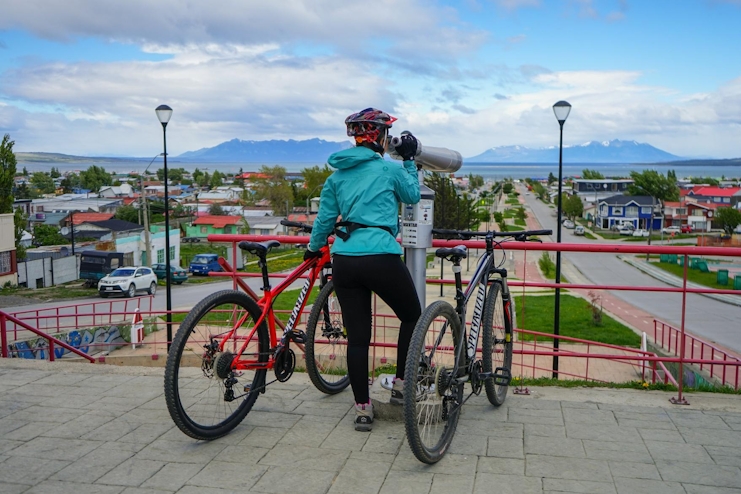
(635, 210)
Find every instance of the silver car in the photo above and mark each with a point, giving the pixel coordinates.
(128, 281)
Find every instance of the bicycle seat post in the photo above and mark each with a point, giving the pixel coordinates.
(459, 297)
(263, 264)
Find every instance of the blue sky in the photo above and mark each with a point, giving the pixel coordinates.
(84, 76)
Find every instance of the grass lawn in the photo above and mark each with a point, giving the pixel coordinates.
(71, 290)
(589, 236)
(694, 275)
(576, 320)
(520, 222)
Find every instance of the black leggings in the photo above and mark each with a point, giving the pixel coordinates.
(355, 277)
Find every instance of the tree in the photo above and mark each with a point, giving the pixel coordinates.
(94, 178)
(573, 207)
(475, 182)
(216, 210)
(588, 174)
(127, 213)
(70, 182)
(54, 173)
(507, 187)
(275, 188)
(48, 235)
(196, 175)
(704, 180)
(315, 176)
(654, 184)
(43, 182)
(217, 179)
(19, 221)
(728, 219)
(23, 191)
(7, 174)
(451, 210)
(520, 213)
(25, 172)
(551, 178)
(174, 175)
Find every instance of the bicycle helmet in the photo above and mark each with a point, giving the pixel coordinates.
(368, 126)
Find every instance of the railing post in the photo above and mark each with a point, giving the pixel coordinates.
(679, 400)
(3, 335)
(51, 350)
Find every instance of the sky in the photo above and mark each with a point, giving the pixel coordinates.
(83, 77)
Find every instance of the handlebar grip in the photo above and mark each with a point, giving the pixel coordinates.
(291, 223)
(538, 232)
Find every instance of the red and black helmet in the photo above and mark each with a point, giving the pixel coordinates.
(366, 125)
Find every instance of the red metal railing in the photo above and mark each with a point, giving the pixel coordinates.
(683, 347)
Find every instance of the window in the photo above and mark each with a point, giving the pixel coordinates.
(114, 263)
(646, 210)
(614, 187)
(172, 254)
(603, 210)
(264, 231)
(161, 255)
(631, 211)
(228, 229)
(204, 229)
(146, 271)
(680, 211)
(617, 210)
(726, 199)
(6, 262)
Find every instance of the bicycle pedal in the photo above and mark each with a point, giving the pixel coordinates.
(298, 337)
(502, 376)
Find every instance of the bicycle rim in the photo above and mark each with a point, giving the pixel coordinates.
(496, 345)
(205, 397)
(326, 345)
(431, 402)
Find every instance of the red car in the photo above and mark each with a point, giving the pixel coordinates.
(686, 229)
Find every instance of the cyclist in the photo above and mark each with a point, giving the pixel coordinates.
(365, 192)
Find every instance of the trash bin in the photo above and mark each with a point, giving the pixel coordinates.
(672, 258)
(737, 282)
(663, 257)
(722, 278)
(681, 260)
(693, 262)
(703, 266)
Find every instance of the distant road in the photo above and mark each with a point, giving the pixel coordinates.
(707, 318)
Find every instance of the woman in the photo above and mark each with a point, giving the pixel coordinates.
(365, 191)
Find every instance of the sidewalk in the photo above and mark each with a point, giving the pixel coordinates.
(84, 428)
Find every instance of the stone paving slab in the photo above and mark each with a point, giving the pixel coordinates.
(83, 428)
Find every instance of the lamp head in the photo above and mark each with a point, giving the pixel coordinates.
(164, 113)
(561, 110)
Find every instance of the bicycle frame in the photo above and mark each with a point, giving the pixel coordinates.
(315, 267)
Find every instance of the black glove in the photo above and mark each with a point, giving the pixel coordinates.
(407, 149)
(311, 254)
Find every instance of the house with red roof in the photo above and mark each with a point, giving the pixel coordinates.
(205, 225)
(725, 196)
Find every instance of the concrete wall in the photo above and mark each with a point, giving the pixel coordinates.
(46, 272)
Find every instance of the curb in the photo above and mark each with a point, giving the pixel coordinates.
(672, 280)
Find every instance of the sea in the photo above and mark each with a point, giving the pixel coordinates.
(494, 171)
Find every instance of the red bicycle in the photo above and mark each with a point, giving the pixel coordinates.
(221, 354)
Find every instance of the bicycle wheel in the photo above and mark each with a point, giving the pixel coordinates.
(431, 400)
(496, 344)
(326, 343)
(206, 398)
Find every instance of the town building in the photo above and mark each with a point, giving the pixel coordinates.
(635, 210)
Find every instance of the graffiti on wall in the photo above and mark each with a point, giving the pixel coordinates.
(86, 340)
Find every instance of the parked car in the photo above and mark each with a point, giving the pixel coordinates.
(579, 230)
(204, 264)
(641, 232)
(668, 230)
(177, 274)
(625, 230)
(687, 228)
(128, 281)
(617, 226)
(568, 224)
(96, 264)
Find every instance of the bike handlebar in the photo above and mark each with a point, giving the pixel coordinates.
(519, 235)
(301, 226)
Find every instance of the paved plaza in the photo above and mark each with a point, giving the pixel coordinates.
(85, 428)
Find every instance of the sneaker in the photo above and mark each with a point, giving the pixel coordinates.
(363, 416)
(397, 392)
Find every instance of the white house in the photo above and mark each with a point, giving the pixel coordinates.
(110, 191)
(8, 266)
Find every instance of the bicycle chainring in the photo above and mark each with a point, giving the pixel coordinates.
(285, 363)
(476, 382)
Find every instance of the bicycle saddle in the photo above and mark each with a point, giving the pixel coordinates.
(258, 248)
(459, 252)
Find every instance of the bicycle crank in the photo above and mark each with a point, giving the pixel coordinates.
(285, 363)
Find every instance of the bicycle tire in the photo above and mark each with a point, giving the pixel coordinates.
(326, 363)
(496, 344)
(425, 409)
(197, 399)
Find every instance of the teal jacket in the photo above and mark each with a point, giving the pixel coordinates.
(365, 189)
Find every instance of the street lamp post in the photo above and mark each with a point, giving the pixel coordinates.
(164, 113)
(561, 110)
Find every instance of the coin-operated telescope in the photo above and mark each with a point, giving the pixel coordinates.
(417, 219)
(430, 158)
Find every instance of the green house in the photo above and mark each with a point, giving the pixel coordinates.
(206, 225)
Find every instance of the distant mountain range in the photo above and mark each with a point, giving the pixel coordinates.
(276, 151)
(615, 151)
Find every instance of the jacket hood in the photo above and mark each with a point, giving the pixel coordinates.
(348, 158)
